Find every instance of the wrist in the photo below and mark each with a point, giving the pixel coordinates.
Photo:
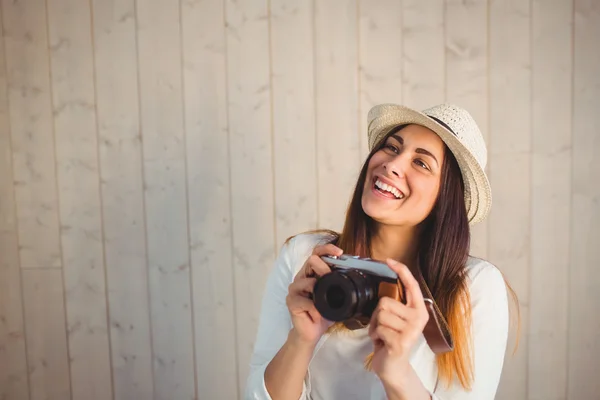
(298, 342)
(405, 385)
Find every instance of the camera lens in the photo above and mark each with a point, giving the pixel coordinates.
(335, 296)
(343, 294)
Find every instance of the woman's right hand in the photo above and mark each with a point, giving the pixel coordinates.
(308, 324)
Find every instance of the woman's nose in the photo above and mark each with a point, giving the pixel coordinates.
(396, 166)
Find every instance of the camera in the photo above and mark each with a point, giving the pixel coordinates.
(353, 288)
(351, 291)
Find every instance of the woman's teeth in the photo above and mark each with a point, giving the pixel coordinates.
(387, 188)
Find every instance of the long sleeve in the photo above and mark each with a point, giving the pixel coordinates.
(274, 323)
(490, 321)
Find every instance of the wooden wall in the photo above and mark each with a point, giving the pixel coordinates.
(155, 155)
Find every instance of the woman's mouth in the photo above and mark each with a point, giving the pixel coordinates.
(383, 189)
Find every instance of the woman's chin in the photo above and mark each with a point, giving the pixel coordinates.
(377, 212)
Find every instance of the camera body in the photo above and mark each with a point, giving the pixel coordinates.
(351, 291)
(353, 288)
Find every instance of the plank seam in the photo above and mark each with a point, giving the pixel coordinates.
(315, 122)
(187, 206)
(60, 241)
(143, 175)
(101, 211)
(233, 280)
(570, 219)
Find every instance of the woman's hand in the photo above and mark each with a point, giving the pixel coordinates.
(396, 327)
(308, 324)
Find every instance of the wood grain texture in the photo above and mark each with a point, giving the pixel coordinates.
(550, 202)
(584, 319)
(13, 357)
(380, 59)
(466, 27)
(160, 76)
(293, 105)
(509, 157)
(336, 75)
(71, 60)
(208, 164)
(249, 111)
(423, 70)
(26, 48)
(47, 351)
(120, 159)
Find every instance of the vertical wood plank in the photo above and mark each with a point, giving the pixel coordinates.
(13, 357)
(293, 108)
(380, 59)
(205, 102)
(584, 319)
(120, 158)
(550, 202)
(31, 131)
(161, 94)
(47, 352)
(338, 141)
(423, 70)
(510, 173)
(249, 107)
(466, 27)
(71, 57)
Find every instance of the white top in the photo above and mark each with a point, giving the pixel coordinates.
(336, 370)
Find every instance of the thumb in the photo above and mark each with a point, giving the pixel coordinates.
(394, 265)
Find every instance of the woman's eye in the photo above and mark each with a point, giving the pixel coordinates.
(391, 147)
(421, 164)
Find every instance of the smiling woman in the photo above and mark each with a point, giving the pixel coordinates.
(419, 190)
(407, 157)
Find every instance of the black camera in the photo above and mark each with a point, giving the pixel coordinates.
(353, 288)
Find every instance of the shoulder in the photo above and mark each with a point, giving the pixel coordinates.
(485, 281)
(299, 247)
(306, 242)
(480, 270)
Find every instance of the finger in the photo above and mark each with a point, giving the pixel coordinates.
(327, 250)
(390, 320)
(302, 286)
(317, 265)
(414, 296)
(389, 337)
(393, 306)
(298, 304)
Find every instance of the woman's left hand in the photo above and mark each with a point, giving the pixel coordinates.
(396, 327)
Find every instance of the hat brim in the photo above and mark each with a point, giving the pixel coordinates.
(478, 194)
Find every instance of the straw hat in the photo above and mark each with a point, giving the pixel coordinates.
(458, 130)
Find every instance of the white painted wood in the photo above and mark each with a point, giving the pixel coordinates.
(122, 197)
(550, 202)
(32, 133)
(584, 278)
(71, 60)
(293, 105)
(423, 71)
(466, 27)
(13, 359)
(250, 143)
(337, 119)
(161, 106)
(47, 352)
(380, 59)
(509, 162)
(208, 164)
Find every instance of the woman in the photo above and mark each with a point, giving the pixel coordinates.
(420, 188)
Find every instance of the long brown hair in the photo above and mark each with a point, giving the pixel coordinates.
(443, 250)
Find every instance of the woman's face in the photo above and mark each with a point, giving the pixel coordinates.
(403, 177)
